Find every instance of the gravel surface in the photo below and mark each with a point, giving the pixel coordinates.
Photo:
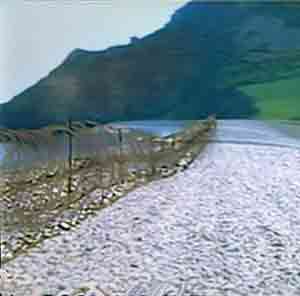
(229, 225)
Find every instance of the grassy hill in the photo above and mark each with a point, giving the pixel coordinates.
(192, 67)
(276, 100)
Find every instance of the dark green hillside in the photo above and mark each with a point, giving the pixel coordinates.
(200, 63)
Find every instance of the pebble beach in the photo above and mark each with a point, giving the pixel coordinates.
(229, 225)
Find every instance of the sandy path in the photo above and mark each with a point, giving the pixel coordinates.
(229, 225)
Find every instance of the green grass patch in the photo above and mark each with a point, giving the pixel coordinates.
(276, 100)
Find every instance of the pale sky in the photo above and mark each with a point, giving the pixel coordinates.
(37, 35)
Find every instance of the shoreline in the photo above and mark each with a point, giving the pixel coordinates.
(40, 218)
